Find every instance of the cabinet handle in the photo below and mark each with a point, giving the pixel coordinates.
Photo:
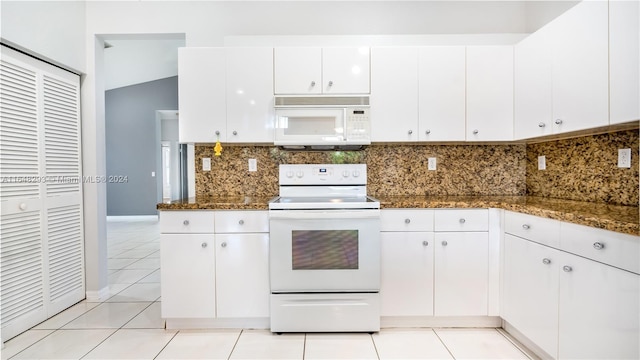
(462, 221)
(567, 268)
(241, 222)
(410, 132)
(542, 125)
(444, 243)
(425, 243)
(558, 121)
(185, 223)
(217, 132)
(526, 226)
(427, 132)
(475, 132)
(224, 244)
(23, 206)
(235, 132)
(406, 221)
(546, 261)
(204, 245)
(330, 83)
(598, 245)
(313, 83)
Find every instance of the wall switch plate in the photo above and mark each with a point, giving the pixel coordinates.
(431, 164)
(153, 174)
(624, 158)
(206, 164)
(253, 165)
(542, 162)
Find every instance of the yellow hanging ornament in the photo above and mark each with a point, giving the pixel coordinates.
(218, 147)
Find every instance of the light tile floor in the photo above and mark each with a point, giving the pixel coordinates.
(128, 325)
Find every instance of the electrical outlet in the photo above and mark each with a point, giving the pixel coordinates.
(542, 162)
(206, 164)
(253, 165)
(624, 158)
(431, 164)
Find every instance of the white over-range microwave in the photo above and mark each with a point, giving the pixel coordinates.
(322, 122)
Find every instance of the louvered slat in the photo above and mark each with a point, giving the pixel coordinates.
(65, 250)
(22, 270)
(62, 146)
(18, 132)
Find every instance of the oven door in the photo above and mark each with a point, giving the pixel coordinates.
(324, 250)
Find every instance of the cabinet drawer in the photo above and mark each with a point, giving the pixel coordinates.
(534, 228)
(176, 222)
(246, 221)
(612, 248)
(461, 220)
(406, 220)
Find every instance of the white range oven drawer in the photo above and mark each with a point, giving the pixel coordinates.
(186, 222)
(242, 221)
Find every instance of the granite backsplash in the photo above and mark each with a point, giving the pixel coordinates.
(578, 169)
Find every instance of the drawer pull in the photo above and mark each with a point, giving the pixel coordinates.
(185, 223)
(598, 245)
(425, 243)
(567, 268)
(224, 244)
(444, 243)
(241, 222)
(204, 245)
(462, 221)
(406, 221)
(526, 227)
(546, 261)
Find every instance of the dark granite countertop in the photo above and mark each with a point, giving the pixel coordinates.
(624, 219)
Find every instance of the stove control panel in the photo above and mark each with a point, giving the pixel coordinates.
(323, 174)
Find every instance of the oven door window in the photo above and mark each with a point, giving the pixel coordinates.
(324, 249)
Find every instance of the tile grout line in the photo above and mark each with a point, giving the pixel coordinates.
(443, 344)
(304, 346)
(374, 345)
(235, 344)
(167, 344)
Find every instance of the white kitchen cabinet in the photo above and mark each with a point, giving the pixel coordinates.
(532, 86)
(489, 93)
(580, 79)
(242, 275)
(624, 57)
(201, 95)
(188, 275)
(249, 94)
(394, 94)
(531, 281)
(314, 70)
(442, 86)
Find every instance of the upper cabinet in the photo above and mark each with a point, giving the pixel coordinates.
(394, 94)
(201, 95)
(314, 70)
(442, 85)
(580, 78)
(624, 57)
(489, 93)
(249, 94)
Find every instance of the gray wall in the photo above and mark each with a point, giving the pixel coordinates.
(131, 127)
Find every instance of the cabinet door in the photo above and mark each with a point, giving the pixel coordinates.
(599, 312)
(407, 274)
(345, 70)
(201, 95)
(580, 67)
(489, 93)
(442, 85)
(531, 291)
(532, 86)
(250, 112)
(298, 70)
(461, 274)
(188, 276)
(242, 275)
(394, 94)
(624, 57)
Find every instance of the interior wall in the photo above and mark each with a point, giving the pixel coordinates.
(131, 144)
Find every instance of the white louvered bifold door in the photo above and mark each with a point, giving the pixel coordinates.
(41, 234)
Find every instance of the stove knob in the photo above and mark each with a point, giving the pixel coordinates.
(345, 173)
(289, 174)
(300, 174)
(356, 173)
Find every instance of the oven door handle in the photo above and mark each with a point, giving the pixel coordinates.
(324, 214)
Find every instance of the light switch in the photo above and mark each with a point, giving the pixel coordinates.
(206, 164)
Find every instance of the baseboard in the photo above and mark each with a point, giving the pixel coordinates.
(439, 321)
(132, 218)
(219, 323)
(534, 351)
(98, 296)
